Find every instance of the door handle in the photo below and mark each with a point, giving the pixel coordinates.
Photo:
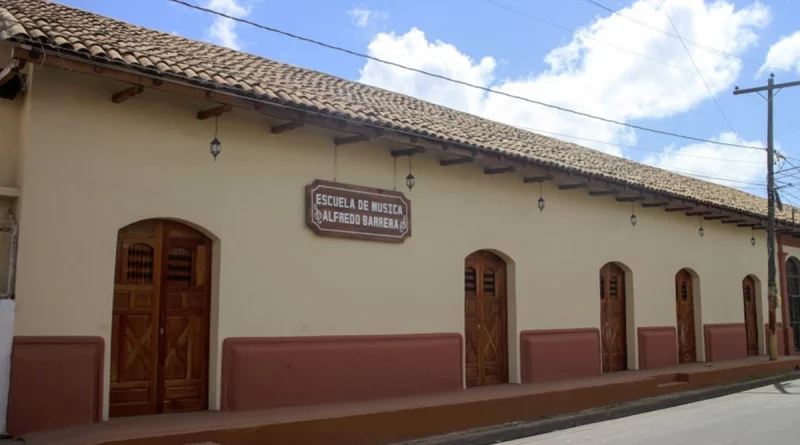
(161, 323)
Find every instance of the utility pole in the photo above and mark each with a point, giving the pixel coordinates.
(771, 282)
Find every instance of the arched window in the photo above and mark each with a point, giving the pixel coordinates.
(139, 267)
(793, 276)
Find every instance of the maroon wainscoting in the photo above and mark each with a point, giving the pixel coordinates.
(548, 355)
(779, 332)
(271, 372)
(56, 382)
(658, 347)
(725, 341)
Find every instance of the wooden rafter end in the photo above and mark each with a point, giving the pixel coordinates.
(214, 112)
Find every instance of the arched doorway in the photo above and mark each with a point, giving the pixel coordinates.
(613, 323)
(793, 291)
(485, 319)
(159, 337)
(750, 314)
(684, 307)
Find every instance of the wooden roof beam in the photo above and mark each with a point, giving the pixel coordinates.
(122, 96)
(214, 112)
(698, 212)
(577, 185)
(345, 140)
(655, 204)
(748, 224)
(630, 198)
(713, 217)
(540, 178)
(733, 221)
(288, 126)
(498, 170)
(456, 161)
(11, 70)
(603, 192)
(407, 152)
(679, 208)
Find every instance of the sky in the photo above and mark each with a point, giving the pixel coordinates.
(622, 60)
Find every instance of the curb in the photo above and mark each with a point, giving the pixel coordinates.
(523, 429)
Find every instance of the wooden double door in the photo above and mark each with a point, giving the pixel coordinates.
(485, 319)
(750, 314)
(159, 340)
(684, 310)
(613, 320)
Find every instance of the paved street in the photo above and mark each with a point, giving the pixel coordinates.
(767, 415)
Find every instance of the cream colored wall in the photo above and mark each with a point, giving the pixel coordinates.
(109, 165)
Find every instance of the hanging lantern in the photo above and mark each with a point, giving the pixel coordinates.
(633, 216)
(701, 231)
(410, 177)
(216, 145)
(540, 203)
(753, 241)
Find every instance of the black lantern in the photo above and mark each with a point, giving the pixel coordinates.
(216, 145)
(410, 177)
(753, 241)
(540, 203)
(633, 216)
(701, 230)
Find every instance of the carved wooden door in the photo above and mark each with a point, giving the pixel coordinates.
(750, 319)
(793, 289)
(485, 319)
(159, 341)
(684, 306)
(613, 329)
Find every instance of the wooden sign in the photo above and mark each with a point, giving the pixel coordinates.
(351, 211)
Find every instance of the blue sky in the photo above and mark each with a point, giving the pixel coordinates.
(483, 41)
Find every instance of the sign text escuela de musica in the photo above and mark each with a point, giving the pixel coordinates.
(351, 211)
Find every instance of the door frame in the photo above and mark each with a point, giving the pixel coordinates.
(511, 343)
(757, 303)
(631, 342)
(210, 385)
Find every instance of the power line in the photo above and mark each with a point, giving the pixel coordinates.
(633, 147)
(617, 47)
(689, 53)
(222, 71)
(81, 57)
(461, 82)
(667, 33)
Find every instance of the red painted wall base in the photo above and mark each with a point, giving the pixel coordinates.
(725, 341)
(272, 372)
(56, 382)
(658, 347)
(549, 355)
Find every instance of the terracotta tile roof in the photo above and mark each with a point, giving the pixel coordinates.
(52, 25)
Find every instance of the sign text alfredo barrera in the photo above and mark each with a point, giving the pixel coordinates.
(351, 211)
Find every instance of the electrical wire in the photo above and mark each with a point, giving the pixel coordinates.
(689, 53)
(82, 58)
(633, 147)
(617, 47)
(460, 82)
(667, 33)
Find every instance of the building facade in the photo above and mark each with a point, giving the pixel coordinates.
(152, 277)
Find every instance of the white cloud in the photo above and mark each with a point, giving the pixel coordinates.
(698, 160)
(413, 50)
(364, 17)
(585, 74)
(223, 30)
(784, 55)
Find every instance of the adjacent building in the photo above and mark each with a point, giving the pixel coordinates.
(342, 242)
